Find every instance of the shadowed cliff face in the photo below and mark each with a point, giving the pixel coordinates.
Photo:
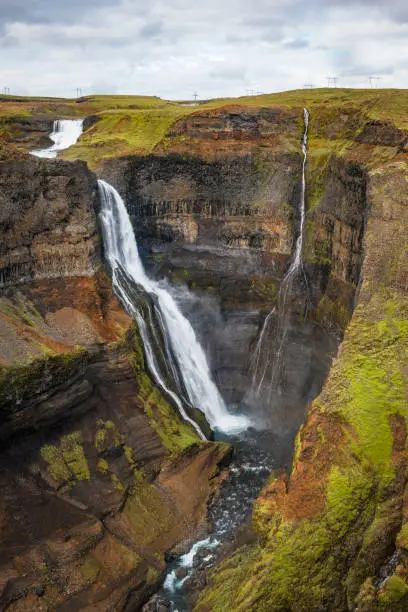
(216, 211)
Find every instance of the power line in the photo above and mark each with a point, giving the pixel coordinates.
(6, 90)
(308, 85)
(195, 95)
(79, 92)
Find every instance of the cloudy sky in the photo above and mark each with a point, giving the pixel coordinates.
(173, 48)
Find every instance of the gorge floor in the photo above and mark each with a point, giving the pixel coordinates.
(251, 465)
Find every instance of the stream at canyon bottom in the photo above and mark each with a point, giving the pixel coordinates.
(250, 467)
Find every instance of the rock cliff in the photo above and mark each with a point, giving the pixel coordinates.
(100, 475)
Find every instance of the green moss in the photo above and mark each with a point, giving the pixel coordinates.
(152, 575)
(148, 512)
(395, 592)
(333, 313)
(117, 483)
(107, 435)
(67, 460)
(20, 384)
(129, 455)
(226, 582)
(90, 569)
(175, 433)
(402, 538)
(100, 439)
(56, 464)
(370, 384)
(102, 466)
(347, 494)
(74, 456)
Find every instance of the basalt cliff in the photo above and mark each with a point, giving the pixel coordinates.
(213, 193)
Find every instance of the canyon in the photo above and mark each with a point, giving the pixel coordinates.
(103, 478)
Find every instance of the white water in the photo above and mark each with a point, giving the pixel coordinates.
(171, 582)
(122, 254)
(297, 259)
(65, 134)
(295, 268)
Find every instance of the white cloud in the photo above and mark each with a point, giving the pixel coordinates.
(175, 47)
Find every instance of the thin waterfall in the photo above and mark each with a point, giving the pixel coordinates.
(271, 341)
(65, 133)
(177, 363)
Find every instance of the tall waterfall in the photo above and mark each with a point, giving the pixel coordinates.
(272, 338)
(181, 370)
(297, 259)
(65, 134)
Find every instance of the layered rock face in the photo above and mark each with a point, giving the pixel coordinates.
(54, 293)
(28, 132)
(100, 475)
(47, 221)
(216, 210)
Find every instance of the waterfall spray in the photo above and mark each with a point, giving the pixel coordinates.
(186, 365)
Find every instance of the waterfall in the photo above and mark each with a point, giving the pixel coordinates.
(65, 134)
(181, 369)
(272, 351)
(297, 259)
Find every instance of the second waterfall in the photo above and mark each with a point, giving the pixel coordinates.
(271, 342)
(175, 358)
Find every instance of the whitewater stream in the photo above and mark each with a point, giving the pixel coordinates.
(65, 134)
(251, 465)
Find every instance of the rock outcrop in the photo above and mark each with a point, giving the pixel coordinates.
(47, 222)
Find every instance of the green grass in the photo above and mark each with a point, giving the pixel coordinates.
(136, 124)
(124, 133)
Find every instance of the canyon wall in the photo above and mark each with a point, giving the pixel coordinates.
(100, 477)
(215, 211)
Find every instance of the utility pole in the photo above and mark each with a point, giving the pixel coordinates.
(79, 92)
(6, 90)
(308, 85)
(332, 81)
(373, 80)
(195, 96)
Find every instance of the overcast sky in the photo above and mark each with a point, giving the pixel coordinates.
(173, 48)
